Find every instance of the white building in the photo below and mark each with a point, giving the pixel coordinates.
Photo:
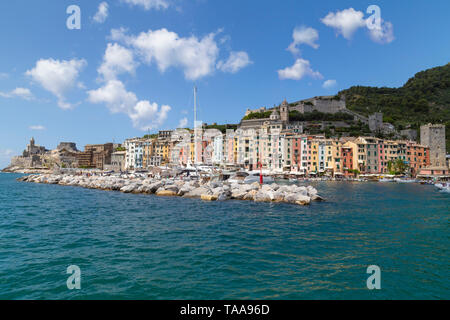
(218, 150)
(134, 153)
(321, 156)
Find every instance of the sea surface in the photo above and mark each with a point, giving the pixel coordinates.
(146, 247)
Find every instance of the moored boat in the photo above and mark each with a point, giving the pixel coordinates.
(400, 180)
(255, 177)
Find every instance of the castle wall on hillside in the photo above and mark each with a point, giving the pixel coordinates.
(26, 162)
(320, 104)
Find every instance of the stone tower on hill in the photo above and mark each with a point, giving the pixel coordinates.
(433, 136)
(284, 111)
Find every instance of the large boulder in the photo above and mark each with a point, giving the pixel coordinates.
(209, 197)
(297, 198)
(172, 187)
(264, 196)
(214, 184)
(242, 188)
(250, 195)
(128, 188)
(166, 193)
(316, 197)
(301, 190)
(267, 188)
(217, 191)
(285, 188)
(54, 179)
(275, 186)
(279, 196)
(238, 194)
(303, 200)
(186, 188)
(198, 192)
(152, 188)
(23, 179)
(255, 186)
(311, 190)
(226, 195)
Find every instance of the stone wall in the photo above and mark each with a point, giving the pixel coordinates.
(320, 104)
(26, 162)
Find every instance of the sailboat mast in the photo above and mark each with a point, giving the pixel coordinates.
(195, 125)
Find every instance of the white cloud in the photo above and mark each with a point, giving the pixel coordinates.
(102, 13)
(119, 34)
(37, 128)
(235, 62)
(383, 34)
(224, 39)
(57, 77)
(23, 93)
(197, 57)
(144, 115)
(300, 69)
(183, 123)
(149, 4)
(4, 75)
(115, 96)
(329, 84)
(116, 60)
(147, 116)
(345, 22)
(303, 35)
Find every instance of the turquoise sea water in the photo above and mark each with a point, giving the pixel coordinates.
(145, 247)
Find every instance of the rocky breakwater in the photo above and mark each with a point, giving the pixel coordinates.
(207, 191)
(27, 170)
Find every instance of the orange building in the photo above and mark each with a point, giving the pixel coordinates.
(417, 157)
(347, 160)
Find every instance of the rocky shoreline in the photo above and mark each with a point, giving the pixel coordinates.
(27, 171)
(207, 191)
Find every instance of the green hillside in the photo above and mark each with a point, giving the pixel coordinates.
(423, 99)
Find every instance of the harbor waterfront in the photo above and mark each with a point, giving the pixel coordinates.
(136, 246)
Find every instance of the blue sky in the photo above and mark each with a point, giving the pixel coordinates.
(132, 65)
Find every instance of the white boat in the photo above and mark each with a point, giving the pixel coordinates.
(207, 169)
(387, 180)
(254, 177)
(399, 180)
(442, 185)
(237, 177)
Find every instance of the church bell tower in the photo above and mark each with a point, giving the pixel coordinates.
(284, 111)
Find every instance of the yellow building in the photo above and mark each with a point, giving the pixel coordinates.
(332, 156)
(147, 147)
(314, 167)
(161, 148)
